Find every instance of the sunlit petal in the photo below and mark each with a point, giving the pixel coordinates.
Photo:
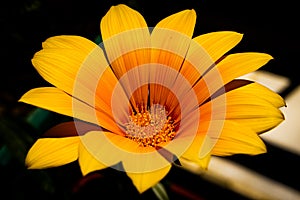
(243, 105)
(63, 56)
(262, 92)
(52, 152)
(170, 41)
(75, 65)
(238, 139)
(216, 44)
(183, 22)
(69, 42)
(238, 64)
(120, 18)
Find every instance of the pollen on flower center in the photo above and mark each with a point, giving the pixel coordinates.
(150, 127)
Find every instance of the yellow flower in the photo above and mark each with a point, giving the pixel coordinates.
(146, 97)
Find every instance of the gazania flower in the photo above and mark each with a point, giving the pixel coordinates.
(149, 97)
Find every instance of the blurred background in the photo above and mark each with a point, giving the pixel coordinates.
(268, 26)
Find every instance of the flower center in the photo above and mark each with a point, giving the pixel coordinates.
(150, 127)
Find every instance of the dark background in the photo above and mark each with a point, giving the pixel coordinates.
(268, 26)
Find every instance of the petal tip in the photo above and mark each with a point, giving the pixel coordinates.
(193, 12)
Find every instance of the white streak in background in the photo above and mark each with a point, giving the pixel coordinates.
(275, 82)
(243, 181)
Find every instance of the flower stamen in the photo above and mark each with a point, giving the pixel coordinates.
(150, 127)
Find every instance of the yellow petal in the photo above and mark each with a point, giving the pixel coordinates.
(238, 64)
(261, 125)
(182, 22)
(197, 62)
(75, 65)
(258, 118)
(218, 43)
(52, 152)
(69, 42)
(53, 99)
(170, 40)
(199, 151)
(261, 91)
(264, 115)
(231, 67)
(238, 139)
(110, 149)
(97, 149)
(120, 18)
(58, 101)
(126, 39)
(171, 37)
(245, 106)
(60, 62)
(169, 50)
(59, 66)
(144, 181)
(87, 161)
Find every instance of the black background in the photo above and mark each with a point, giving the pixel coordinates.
(268, 26)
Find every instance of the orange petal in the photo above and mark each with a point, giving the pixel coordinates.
(170, 40)
(127, 46)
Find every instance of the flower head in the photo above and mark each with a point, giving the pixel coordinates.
(149, 96)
